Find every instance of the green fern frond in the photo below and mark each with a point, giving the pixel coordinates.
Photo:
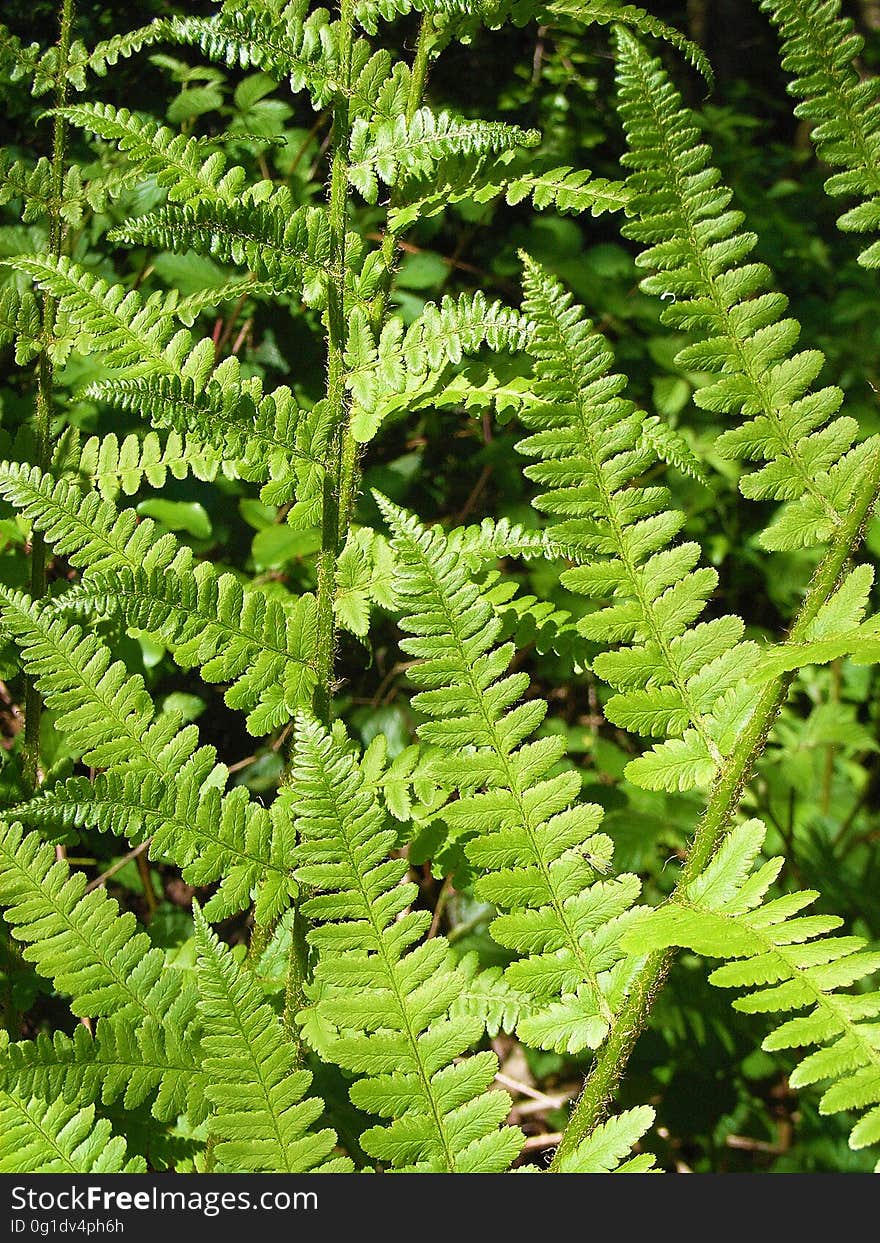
(133, 331)
(408, 364)
(411, 146)
(286, 43)
(288, 251)
(680, 208)
(131, 1060)
(607, 1149)
(261, 1117)
(673, 679)
(235, 633)
(189, 168)
(536, 852)
(387, 1001)
(559, 189)
(41, 1137)
(20, 321)
(113, 466)
(78, 939)
(108, 716)
(819, 47)
(792, 967)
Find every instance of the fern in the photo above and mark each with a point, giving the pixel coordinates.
(673, 679)
(680, 208)
(818, 49)
(792, 967)
(404, 1044)
(536, 855)
(260, 1119)
(54, 1138)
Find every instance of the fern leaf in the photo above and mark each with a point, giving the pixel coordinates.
(790, 964)
(261, 1117)
(189, 168)
(411, 146)
(41, 1137)
(127, 1059)
(607, 1149)
(819, 48)
(284, 250)
(388, 1001)
(591, 446)
(108, 715)
(291, 43)
(537, 853)
(680, 208)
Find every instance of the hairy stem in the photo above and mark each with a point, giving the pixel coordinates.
(336, 398)
(612, 1058)
(349, 473)
(45, 376)
(340, 483)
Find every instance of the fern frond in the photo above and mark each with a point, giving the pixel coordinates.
(388, 1001)
(20, 321)
(680, 209)
(410, 147)
(559, 189)
(235, 633)
(79, 940)
(792, 967)
(536, 852)
(133, 331)
(288, 43)
(261, 1116)
(42, 1137)
(819, 47)
(132, 1060)
(189, 168)
(113, 466)
(288, 251)
(673, 679)
(407, 364)
(607, 1149)
(108, 716)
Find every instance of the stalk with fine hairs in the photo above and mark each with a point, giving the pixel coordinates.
(45, 373)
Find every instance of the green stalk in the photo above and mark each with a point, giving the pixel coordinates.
(340, 482)
(33, 704)
(336, 398)
(349, 473)
(593, 1104)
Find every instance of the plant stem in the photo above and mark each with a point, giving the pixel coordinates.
(336, 398)
(45, 377)
(629, 1023)
(340, 481)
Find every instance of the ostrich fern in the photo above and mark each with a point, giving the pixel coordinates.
(346, 978)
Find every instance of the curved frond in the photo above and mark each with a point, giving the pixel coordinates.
(680, 209)
(820, 47)
(673, 679)
(790, 965)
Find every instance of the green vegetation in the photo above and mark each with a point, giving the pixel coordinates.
(438, 641)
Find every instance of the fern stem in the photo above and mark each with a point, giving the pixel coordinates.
(336, 400)
(337, 468)
(611, 1060)
(349, 469)
(45, 376)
